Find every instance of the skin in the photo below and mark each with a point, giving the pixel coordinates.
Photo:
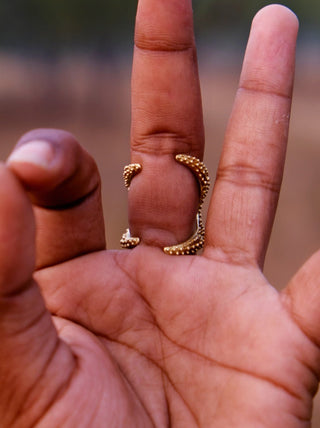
(136, 338)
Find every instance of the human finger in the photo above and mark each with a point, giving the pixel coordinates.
(166, 120)
(250, 171)
(30, 347)
(63, 183)
(302, 298)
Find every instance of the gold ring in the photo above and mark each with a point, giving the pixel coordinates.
(196, 241)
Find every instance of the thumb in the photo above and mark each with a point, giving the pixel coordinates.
(30, 347)
(302, 296)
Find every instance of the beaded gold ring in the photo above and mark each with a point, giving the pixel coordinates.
(196, 241)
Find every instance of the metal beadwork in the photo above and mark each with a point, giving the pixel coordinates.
(196, 241)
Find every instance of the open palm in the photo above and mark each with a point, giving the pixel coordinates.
(136, 338)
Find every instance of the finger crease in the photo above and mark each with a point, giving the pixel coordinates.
(247, 176)
(260, 88)
(163, 46)
(72, 204)
(163, 143)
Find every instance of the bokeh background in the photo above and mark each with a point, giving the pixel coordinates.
(66, 64)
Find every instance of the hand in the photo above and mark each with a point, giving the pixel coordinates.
(136, 338)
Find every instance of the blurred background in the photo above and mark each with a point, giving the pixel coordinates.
(66, 64)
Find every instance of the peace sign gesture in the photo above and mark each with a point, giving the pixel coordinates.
(139, 338)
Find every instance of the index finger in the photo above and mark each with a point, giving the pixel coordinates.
(166, 120)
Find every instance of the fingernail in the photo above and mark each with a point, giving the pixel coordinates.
(37, 152)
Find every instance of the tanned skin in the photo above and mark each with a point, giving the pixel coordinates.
(95, 338)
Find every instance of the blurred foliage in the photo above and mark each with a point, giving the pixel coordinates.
(50, 26)
(55, 25)
(238, 14)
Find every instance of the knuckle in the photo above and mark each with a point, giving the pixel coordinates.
(246, 175)
(162, 43)
(163, 143)
(264, 87)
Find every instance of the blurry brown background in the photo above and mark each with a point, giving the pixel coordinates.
(59, 79)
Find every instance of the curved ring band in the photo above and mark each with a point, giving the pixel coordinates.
(196, 241)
